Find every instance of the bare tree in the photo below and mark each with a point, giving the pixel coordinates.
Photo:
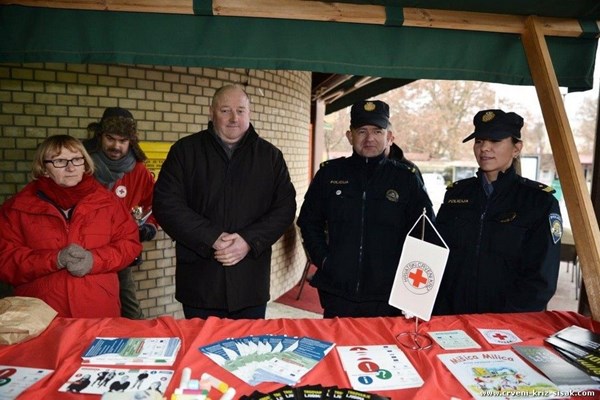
(434, 116)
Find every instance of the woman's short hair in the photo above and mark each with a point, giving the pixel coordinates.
(51, 147)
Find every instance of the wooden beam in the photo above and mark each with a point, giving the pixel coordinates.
(376, 14)
(151, 6)
(579, 205)
(326, 11)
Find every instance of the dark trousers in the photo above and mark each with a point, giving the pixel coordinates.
(130, 306)
(256, 312)
(335, 306)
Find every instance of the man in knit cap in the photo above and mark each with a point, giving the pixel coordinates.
(120, 167)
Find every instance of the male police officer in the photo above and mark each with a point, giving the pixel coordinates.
(355, 217)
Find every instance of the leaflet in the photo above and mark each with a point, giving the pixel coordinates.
(132, 351)
(268, 358)
(378, 367)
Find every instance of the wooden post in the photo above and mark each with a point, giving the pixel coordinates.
(579, 204)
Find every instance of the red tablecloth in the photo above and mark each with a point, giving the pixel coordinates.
(61, 345)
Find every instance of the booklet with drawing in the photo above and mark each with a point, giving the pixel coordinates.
(495, 375)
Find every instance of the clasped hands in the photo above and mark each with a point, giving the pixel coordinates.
(230, 248)
(77, 260)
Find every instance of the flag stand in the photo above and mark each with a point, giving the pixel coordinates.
(415, 340)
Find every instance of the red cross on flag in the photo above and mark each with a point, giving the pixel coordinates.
(419, 273)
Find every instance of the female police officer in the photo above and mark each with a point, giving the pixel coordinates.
(503, 230)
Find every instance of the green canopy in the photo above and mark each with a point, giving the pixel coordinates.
(37, 34)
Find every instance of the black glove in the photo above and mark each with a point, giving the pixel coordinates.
(147, 232)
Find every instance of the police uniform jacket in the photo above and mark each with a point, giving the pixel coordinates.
(200, 193)
(354, 219)
(504, 250)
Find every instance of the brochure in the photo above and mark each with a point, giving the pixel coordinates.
(378, 367)
(454, 340)
(559, 371)
(16, 380)
(581, 337)
(268, 358)
(498, 375)
(313, 392)
(587, 361)
(132, 351)
(98, 380)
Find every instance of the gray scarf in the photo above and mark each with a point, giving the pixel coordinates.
(109, 171)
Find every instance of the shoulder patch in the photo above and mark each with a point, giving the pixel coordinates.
(402, 165)
(556, 229)
(327, 162)
(538, 185)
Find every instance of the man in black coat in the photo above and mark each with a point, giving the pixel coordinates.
(225, 196)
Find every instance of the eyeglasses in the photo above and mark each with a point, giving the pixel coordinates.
(62, 162)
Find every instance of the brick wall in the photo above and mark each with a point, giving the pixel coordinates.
(39, 100)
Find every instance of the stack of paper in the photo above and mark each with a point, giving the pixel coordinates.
(132, 351)
(579, 346)
(378, 367)
(268, 358)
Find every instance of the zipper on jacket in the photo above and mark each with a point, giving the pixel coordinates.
(362, 239)
(479, 240)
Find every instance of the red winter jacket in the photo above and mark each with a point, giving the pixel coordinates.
(33, 231)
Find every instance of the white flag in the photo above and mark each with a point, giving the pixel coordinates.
(419, 274)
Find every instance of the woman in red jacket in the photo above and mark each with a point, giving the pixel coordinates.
(63, 237)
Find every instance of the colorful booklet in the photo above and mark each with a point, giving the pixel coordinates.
(268, 358)
(378, 367)
(132, 351)
(99, 380)
(495, 375)
(16, 380)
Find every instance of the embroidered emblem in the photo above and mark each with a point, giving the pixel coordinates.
(556, 229)
(488, 116)
(121, 191)
(458, 201)
(392, 195)
(507, 217)
(370, 106)
(338, 192)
